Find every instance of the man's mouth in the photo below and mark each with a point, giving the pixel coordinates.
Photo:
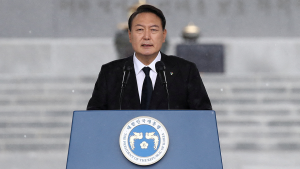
(147, 45)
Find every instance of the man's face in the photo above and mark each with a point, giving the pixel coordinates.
(146, 35)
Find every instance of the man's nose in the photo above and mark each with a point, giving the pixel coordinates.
(147, 34)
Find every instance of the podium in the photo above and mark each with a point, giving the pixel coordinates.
(193, 139)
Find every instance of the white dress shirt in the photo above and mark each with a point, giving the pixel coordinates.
(140, 75)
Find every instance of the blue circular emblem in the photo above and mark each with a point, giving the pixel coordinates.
(144, 140)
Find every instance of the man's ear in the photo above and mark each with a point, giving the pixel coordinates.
(165, 34)
(129, 35)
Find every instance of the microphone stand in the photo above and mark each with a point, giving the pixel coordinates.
(126, 70)
(160, 68)
(166, 88)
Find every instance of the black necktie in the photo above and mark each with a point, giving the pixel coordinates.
(147, 90)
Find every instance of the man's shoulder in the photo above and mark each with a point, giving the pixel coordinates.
(175, 60)
(116, 64)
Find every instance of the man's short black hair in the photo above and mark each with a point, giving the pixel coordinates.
(147, 8)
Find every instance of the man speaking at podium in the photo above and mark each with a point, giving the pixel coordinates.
(149, 79)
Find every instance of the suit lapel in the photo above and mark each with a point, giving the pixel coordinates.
(159, 94)
(172, 71)
(131, 96)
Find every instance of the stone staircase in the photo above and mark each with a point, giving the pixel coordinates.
(36, 112)
(254, 113)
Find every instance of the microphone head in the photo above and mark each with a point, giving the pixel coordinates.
(160, 66)
(127, 66)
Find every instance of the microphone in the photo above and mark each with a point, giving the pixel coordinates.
(161, 70)
(126, 73)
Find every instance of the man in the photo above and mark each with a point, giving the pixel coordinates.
(144, 90)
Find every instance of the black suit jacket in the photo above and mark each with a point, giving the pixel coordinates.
(185, 87)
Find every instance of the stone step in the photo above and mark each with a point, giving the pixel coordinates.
(33, 136)
(258, 146)
(4, 79)
(258, 78)
(207, 79)
(68, 91)
(36, 114)
(25, 144)
(61, 99)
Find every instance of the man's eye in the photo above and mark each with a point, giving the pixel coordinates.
(154, 30)
(139, 29)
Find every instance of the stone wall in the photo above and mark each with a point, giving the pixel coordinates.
(99, 18)
(85, 56)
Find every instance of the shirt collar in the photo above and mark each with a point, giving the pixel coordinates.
(138, 65)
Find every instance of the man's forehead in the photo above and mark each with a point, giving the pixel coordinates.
(151, 25)
(146, 16)
(147, 19)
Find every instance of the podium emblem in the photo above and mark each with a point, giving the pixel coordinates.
(144, 140)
